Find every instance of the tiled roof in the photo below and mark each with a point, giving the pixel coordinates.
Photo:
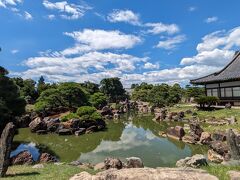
(230, 72)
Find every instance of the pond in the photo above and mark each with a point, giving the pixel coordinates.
(132, 135)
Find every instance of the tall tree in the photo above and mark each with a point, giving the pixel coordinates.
(11, 104)
(113, 89)
(41, 85)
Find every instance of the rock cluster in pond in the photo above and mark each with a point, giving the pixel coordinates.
(73, 126)
(26, 158)
(147, 173)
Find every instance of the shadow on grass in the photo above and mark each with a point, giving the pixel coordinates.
(22, 174)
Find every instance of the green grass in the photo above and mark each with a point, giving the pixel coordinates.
(220, 171)
(50, 171)
(218, 114)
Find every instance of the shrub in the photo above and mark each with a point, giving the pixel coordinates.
(88, 113)
(206, 101)
(69, 116)
(98, 100)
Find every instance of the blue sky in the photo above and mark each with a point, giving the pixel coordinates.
(153, 41)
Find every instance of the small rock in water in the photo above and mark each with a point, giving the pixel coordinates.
(38, 166)
(113, 163)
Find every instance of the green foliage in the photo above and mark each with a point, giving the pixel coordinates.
(27, 89)
(113, 89)
(158, 95)
(88, 113)
(194, 91)
(69, 116)
(90, 87)
(11, 104)
(98, 100)
(68, 95)
(206, 101)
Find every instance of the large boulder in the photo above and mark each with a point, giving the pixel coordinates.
(5, 147)
(195, 130)
(22, 158)
(134, 162)
(205, 138)
(80, 132)
(195, 161)
(113, 163)
(147, 174)
(37, 124)
(234, 144)
(47, 158)
(214, 156)
(219, 147)
(176, 132)
(234, 175)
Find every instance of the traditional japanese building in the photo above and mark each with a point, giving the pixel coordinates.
(225, 83)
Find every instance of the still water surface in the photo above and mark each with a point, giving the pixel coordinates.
(131, 136)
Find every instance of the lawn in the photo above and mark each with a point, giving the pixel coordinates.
(220, 171)
(50, 171)
(218, 114)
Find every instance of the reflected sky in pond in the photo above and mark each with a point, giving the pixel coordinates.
(138, 137)
(153, 150)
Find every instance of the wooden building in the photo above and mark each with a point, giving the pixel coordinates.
(225, 83)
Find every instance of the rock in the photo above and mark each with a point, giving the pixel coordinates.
(116, 116)
(74, 123)
(231, 163)
(147, 174)
(189, 140)
(181, 114)
(91, 129)
(37, 124)
(234, 144)
(234, 175)
(99, 166)
(195, 161)
(219, 147)
(205, 138)
(189, 111)
(195, 130)
(52, 124)
(41, 132)
(23, 121)
(86, 166)
(63, 132)
(106, 111)
(228, 106)
(75, 163)
(47, 158)
(134, 162)
(38, 166)
(214, 157)
(232, 120)
(80, 132)
(113, 163)
(175, 132)
(22, 158)
(5, 147)
(219, 136)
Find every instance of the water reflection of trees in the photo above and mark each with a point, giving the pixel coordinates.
(69, 148)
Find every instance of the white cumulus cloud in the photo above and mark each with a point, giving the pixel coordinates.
(67, 10)
(171, 43)
(126, 16)
(157, 28)
(211, 19)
